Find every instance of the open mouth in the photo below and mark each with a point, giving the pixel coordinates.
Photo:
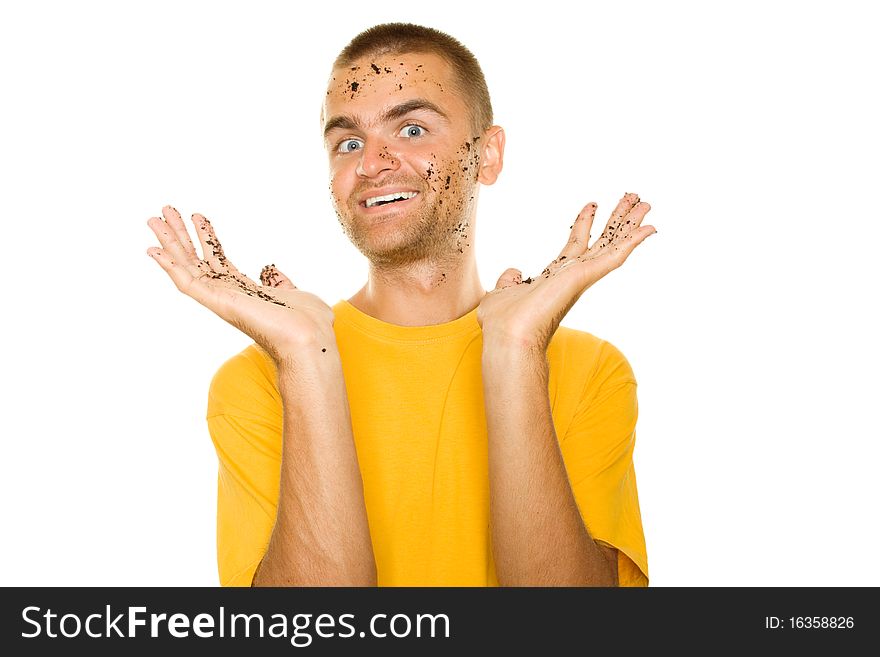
(397, 198)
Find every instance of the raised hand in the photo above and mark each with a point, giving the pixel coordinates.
(526, 313)
(275, 314)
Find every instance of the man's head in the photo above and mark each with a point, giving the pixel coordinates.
(407, 111)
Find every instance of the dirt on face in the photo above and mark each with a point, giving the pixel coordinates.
(437, 226)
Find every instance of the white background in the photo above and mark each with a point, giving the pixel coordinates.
(748, 319)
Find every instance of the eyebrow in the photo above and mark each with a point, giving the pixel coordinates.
(347, 122)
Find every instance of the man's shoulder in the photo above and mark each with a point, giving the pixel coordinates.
(245, 383)
(582, 356)
(566, 339)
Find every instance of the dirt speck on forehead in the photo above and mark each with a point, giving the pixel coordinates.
(357, 79)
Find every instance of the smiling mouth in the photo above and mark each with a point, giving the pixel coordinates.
(388, 199)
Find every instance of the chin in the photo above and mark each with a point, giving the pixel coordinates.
(400, 238)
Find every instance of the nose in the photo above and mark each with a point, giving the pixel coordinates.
(376, 158)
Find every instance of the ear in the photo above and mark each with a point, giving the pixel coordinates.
(491, 155)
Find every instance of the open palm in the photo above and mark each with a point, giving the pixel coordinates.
(275, 314)
(528, 312)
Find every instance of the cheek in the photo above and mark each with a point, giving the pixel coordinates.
(342, 177)
(427, 167)
(337, 189)
(453, 179)
(456, 175)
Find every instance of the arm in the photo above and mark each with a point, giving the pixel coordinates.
(321, 535)
(539, 537)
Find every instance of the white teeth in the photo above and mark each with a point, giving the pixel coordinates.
(389, 197)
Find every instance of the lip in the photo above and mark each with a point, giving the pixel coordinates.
(385, 207)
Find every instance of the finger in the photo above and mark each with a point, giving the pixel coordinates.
(172, 218)
(626, 226)
(509, 278)
(171, 245)
(616, 253)
(212, 250)
(617, 217)
(271, 276)
(186, 274)
(221, 292)
(623, 247)
(179, 274)
(632, 220)
(579, 237)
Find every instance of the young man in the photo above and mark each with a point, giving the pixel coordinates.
(424, 432)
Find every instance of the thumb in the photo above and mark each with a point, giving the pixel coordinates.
(508, 278)
(271, 276)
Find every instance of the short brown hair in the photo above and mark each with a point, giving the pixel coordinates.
(402, 38)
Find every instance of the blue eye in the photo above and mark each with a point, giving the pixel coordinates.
(349, 145)
(413, 131)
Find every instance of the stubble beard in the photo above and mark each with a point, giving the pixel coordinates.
(428, 234)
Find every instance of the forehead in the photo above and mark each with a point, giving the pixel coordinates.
(368, 86)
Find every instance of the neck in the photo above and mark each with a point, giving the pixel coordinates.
(422, 293)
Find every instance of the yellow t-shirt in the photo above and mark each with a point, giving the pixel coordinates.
(419, 425)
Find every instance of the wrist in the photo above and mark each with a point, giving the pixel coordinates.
(505, 344)
(512, 359)
(312, 387)
(308, 358)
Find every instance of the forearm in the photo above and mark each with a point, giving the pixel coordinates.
(321, 536)
(538, 535)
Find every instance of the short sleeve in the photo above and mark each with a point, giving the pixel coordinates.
(598, 449)
(245, 422)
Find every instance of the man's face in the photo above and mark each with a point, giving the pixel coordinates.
(396, 128)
